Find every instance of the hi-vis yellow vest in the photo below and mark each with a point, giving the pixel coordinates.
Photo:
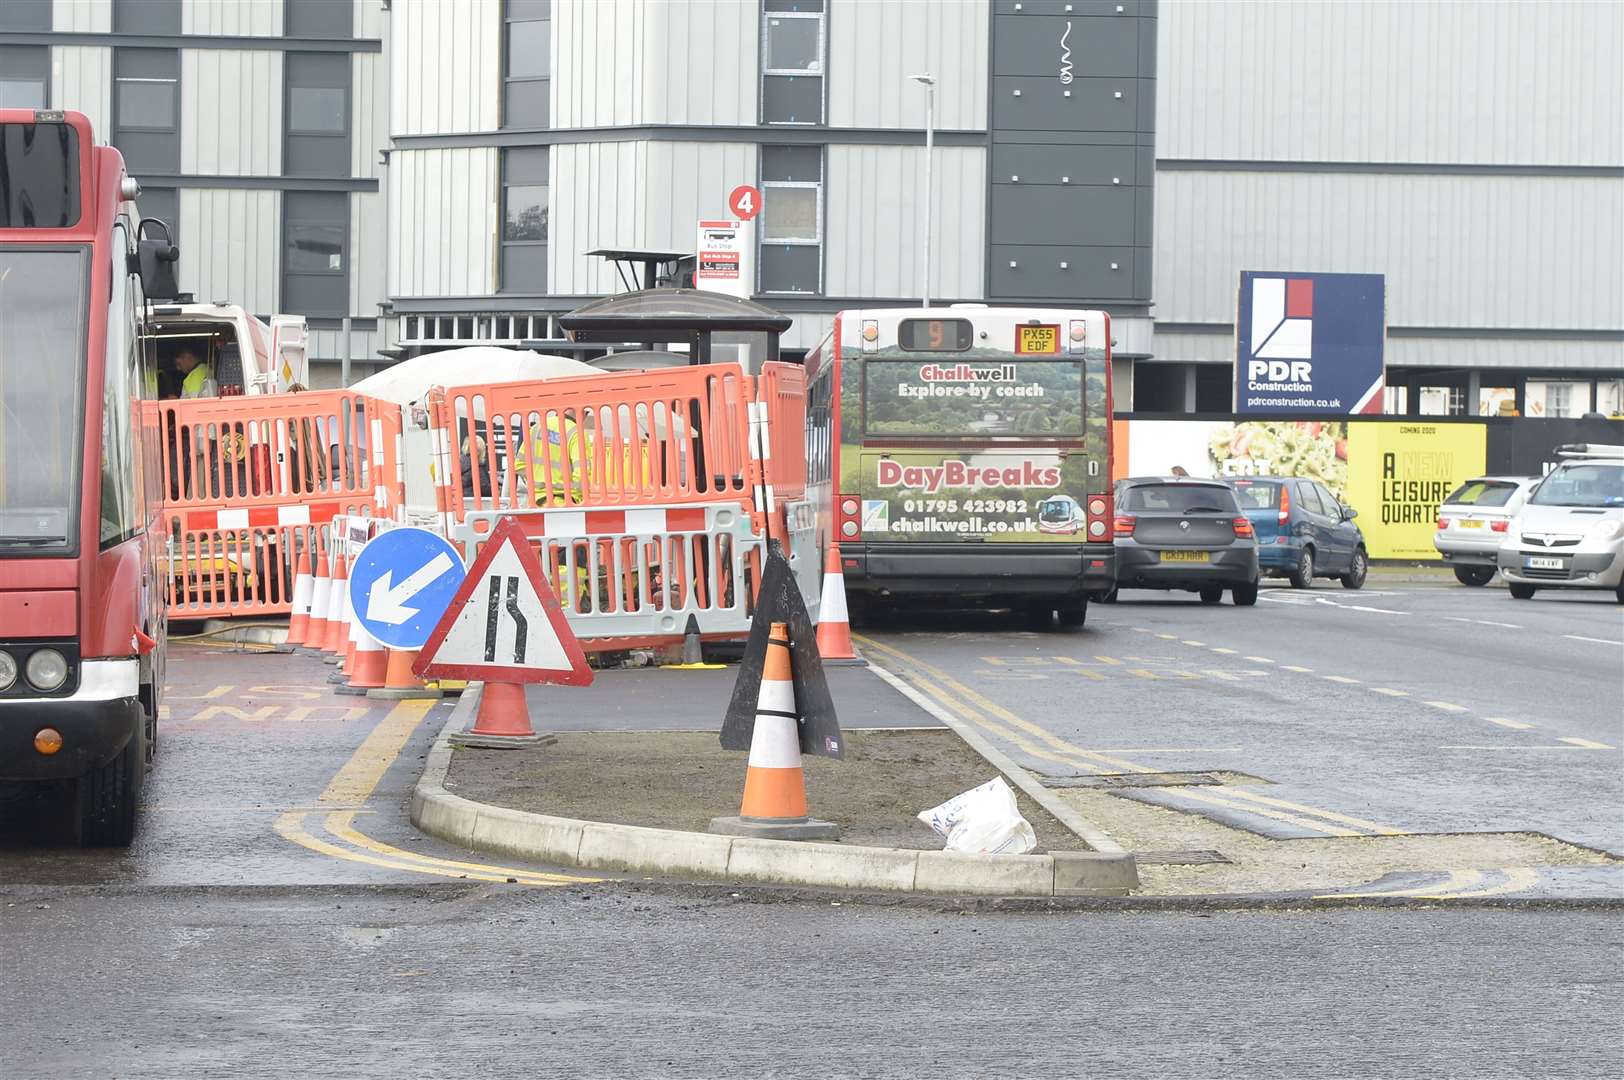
(559, 457)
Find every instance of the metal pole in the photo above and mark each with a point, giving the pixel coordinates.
(930, 145)
(344, 369)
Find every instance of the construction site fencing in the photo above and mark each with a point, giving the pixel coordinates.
(251, 483)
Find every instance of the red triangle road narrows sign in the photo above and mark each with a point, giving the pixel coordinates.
(505, 624)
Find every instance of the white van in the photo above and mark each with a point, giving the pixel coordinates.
(1570, 533)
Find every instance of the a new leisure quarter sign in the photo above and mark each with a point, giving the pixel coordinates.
(1310, 343)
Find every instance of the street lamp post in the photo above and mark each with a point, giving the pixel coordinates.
(929, 83)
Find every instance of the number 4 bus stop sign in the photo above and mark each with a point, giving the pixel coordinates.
(504, 626)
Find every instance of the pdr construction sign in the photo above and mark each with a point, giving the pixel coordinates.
(1310, 343)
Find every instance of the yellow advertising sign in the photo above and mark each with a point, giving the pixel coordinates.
(1398, 474)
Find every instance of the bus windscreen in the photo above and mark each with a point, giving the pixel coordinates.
(39, 176)
(975, 397)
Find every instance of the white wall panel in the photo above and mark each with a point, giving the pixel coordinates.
(371, 18)
(369, 243)
(369, 112)
(245, 18)
(599, 63)
(701, 58)
(230, 112)
(445, 67)
(1453, 352)
(633, 194)
(874, 47)
(232, 249)
(1508, 82)
(442, 221)
(1458, 251)
(82, 79)
(82, 16)
(872, 238)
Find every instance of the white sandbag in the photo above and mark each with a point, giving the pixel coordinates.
(982, 821)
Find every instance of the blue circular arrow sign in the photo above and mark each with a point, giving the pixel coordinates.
(401, 584)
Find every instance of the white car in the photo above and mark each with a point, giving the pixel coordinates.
(1570, 534)
(1475, 519)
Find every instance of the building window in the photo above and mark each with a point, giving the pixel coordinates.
(792, 44)
(526, 66)
(315, 253)
(791, 229)
(145, 16)
(1557, 399)
(319, 19)
(25, 76)
(26, 15)
(524, 220)
(146, 109)
(317, 107)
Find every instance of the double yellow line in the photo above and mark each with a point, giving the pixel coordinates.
(1040, 743)
(354, 784)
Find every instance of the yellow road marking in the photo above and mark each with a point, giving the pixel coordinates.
(1146, 673)
(1169, 637)
(1197, 644)
(1518, 879)
(1457, 879)
(1226, 652)
(1515, 725)
(383, 744)
(1448, 706)
(355, 782)
(1389, 691)
(1260, 659)
(1380, 830)
(1592, 746)
(1339, 679)
(1067, 753)
(1583, 744)
(1299, 670)
(1109, 660)
(1139, 629)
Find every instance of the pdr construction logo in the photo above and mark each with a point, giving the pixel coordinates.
(1310, 343)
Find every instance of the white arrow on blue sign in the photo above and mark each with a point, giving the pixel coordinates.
(401, 584)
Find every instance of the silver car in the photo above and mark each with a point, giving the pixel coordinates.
(1570, 535)
(1474, 520)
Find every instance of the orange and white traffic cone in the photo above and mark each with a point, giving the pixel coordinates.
(774, 803)
(502, 722)
(371, 661)
(337, 627)
(834, 623)
(399, 684)
(321, 598)
(304, 587)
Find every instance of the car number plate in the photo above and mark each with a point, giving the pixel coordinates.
(1468, 523)
(1543, 564)
(1031, 340)
(1186, 556)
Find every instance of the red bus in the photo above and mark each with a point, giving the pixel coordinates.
(962, 455)
(81, 598)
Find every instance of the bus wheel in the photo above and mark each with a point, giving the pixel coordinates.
(1074, 616)
(108, 797)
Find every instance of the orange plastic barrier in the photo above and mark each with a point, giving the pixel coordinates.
(251, 483)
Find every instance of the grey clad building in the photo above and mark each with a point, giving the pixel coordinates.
(437, 170)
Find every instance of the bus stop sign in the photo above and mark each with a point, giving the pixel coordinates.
(745, 202)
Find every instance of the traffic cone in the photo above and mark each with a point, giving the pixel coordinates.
(371, 662)
(304, 587)
(834, 624)
(321, 598)
(693, 652)
(337, 629)
(774, 803)
(502, 722)
(399, 684)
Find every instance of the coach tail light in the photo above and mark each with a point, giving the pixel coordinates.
(8, 671)
(848, 529)
(871, 335)
(1077, 335)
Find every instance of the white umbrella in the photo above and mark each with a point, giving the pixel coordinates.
(409, 381)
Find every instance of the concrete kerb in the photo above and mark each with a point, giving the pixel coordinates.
(677, 853)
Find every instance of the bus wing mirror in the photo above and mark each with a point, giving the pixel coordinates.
(159, 260)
